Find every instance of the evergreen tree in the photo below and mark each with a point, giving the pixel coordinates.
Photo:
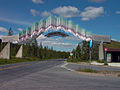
(95, 51)
(78, 52)
(35, 48)
(85, 50)
(10, 32)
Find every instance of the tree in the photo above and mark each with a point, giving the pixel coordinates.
(95, 51)
(10, 32)
(85, 50)
(35, 47)
(78, 52)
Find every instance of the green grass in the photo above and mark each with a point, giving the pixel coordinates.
(72, 60)
(88, 70)
(17, 60)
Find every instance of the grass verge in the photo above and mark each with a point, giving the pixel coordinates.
(88, 70)
(103, 73)
(18, 60)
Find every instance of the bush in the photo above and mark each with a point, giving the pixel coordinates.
(72, 60)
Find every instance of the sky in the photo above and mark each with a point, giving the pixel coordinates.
(97, 16)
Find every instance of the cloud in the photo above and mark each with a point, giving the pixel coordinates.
(2, 29)
(66, 11)
(45, 14)
(34, 12)
(91, 13)
(14, 21)
(117, 12)
(38, 1)
(73, 38)
(20, 29)
(59, 44)
(97, 1)
(1, 36)
(115, 40)
(55, 42)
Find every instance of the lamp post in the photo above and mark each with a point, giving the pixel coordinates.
(90, 51)
(0, 44)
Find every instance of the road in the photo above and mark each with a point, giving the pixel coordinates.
(50, 75)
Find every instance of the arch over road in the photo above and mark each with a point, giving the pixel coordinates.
(56, 23)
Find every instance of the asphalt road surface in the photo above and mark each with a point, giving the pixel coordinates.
(51, 75)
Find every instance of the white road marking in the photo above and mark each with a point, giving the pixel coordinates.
(64, 66)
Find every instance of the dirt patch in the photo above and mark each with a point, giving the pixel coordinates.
(100, 73)
(83, 63)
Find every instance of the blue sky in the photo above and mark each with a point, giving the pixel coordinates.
(97, 16)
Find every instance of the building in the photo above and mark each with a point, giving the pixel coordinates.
(112, 51)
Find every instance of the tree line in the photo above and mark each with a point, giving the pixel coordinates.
(81, 53)
(32, 49)
(35, 50)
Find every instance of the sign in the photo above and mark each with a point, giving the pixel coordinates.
(106, 49)
(101, 38)
(90, 43)
(71, 54)
(108, 57)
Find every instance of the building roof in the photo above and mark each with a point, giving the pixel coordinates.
(113, 44)
(113, 49)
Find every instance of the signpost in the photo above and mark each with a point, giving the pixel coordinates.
(0, 44)
(99, 38)
(105, 60)
(71, 54)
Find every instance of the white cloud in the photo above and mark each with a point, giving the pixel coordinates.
(34, 12)
(55, 42)
(67, 11)
(117, 12)
(1, 36)
(2, 29)
(20, 29)
(45, 14)
(38, 1)
(115, 39)
(92, 13)
(97, 1)
(14, 21)
(73, 38)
